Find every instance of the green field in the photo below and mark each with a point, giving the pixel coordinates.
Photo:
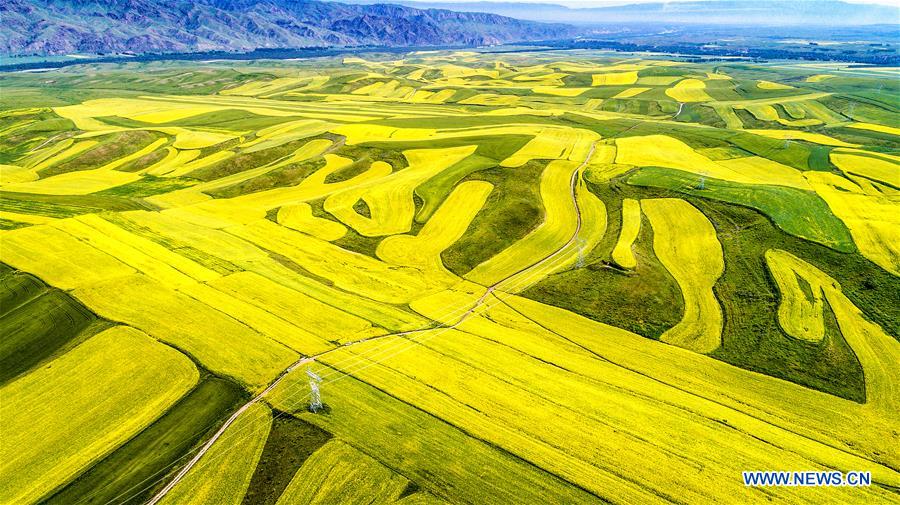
(122, 476)
(522, 277)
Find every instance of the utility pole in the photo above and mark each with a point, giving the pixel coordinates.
(315, 397)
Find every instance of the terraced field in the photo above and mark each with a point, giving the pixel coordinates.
(554, 277)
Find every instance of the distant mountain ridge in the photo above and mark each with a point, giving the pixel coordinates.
(52, 27)
(726, 12)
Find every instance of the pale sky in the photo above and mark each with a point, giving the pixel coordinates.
(606, 3)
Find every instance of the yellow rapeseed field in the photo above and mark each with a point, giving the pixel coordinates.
(759, 170)
(326, 322)
(631, 225)
(491, 99)
(556, 230)
(171, 115)
(877, 352)
(345, 214)
(478, 379)
(873, 219)
(685, 243)
(880, 168)
(200, 139)
(338, 474)
(875, 127)
(816, 138)
(799, 316)
(665, 151)
(15, 173)
(772, 85)
(763, 112)
(225, 250)
(25, 218)
(223, 476)
(58, 257)
(61, 418)
(44, 151)
(174, 158)
(186, 168)
(348, 270)
(689, 90)
(631, 92)
(223, 344)
(446, 226)
(280, 134)
(614, 79)
(554, 144)
(658, 80)
(300, 217)
(69, 150)
(795, 408)
(82, 182)
(390, 199)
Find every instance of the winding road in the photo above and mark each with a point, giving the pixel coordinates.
(309, 359)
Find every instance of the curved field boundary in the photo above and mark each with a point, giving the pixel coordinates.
(685, 243)
(390, 199)
(689, 90)
(446, 226)
(443, 327)
(300, 217)
(872, 219)
(669, 152)
(631, 226)
(800, 311)
(562, 223)
(877, 352)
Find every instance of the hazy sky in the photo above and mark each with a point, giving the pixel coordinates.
(604, 3)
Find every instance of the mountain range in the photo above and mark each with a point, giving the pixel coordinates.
(60, 27)
(707, 12)
(54, 27)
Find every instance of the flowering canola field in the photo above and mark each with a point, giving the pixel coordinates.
(448, 277)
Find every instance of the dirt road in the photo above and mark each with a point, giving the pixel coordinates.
(478, 303)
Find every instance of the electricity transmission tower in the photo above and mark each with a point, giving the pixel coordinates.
(315, 397)
(581, 244)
